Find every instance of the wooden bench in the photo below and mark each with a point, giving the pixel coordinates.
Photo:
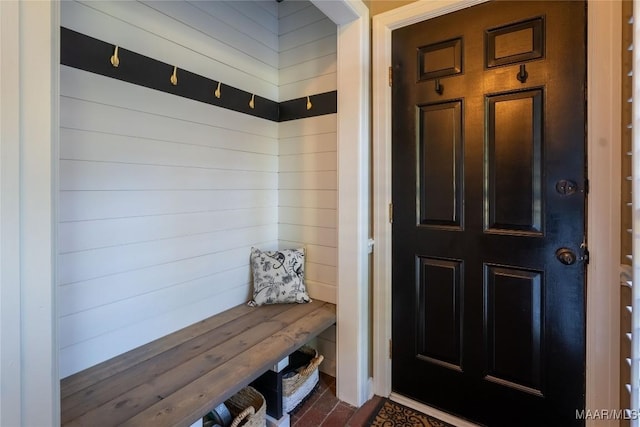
(177, 379)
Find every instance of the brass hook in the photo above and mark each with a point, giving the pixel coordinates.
(115, 61)
(309, 104)
(174, 76)
(217, 91)
(252, 103)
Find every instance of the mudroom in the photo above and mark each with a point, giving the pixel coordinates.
(191, 135)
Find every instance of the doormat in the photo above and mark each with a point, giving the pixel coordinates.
(392, 414)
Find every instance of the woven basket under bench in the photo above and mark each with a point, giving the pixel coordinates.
(297, 385)
(247, 407)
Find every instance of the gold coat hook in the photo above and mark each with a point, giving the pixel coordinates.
(115, 61)
(174, 76)
(217, 92)
(252, 103)
(309, 104)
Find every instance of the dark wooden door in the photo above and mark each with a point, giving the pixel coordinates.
(489, 212)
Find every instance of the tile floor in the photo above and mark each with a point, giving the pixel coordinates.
(323, 409)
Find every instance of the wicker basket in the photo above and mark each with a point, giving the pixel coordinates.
(248, 408)
(297, 387)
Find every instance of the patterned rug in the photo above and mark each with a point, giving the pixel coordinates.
(392, 414)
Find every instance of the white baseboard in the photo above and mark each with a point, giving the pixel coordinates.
(370, 388)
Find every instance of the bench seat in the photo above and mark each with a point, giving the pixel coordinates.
(177, 379)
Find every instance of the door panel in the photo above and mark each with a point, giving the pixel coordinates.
(440, 59)
(514, 169)
(488, 122)
(440, 290)
(515, 43)
(440, 157)
(513, 313)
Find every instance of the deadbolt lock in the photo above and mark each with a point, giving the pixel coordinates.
(566, 187)
(566, 256)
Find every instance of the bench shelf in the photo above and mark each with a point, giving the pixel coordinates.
(177, 379)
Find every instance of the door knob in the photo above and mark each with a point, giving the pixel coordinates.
(566, 256)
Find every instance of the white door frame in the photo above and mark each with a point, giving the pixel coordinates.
(604, 152)
(29, 64)
(352, 18)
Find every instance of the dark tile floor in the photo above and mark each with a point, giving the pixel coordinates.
(323, 409)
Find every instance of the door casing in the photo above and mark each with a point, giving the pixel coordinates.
(603, 224)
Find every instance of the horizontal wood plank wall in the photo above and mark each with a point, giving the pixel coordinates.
(308, 154)
(308, 45)
(201, 37)
(161, 197)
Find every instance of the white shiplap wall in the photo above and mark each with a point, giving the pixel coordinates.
(308, 44)
(162, 197)
(308, 198)
(308, 154)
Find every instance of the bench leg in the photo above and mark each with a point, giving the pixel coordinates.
(270, 385)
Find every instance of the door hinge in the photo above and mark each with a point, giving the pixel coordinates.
(390, 349)
(390, 213)
(390, 76)
(586, 186)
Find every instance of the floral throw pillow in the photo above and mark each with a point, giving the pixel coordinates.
(278, 277)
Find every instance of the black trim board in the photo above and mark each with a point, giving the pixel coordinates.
(322, 103)
(86, 53)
